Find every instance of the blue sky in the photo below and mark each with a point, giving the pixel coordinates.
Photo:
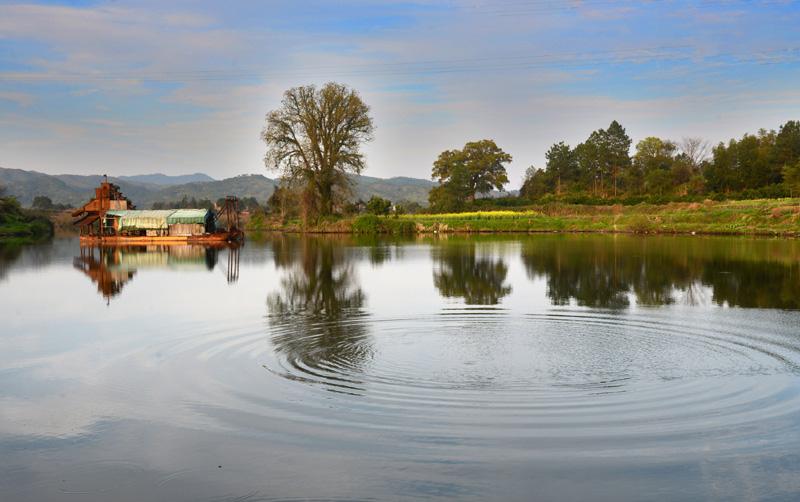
(135, 87)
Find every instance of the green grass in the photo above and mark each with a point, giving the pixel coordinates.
(750, 217)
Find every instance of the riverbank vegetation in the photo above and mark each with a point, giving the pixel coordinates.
(743, 187)
(18, 222)
(779, 217)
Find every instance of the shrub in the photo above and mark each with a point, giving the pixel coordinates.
(258, 219)
(639, 224)
(400, 226)
(41, 227)
(367, 224)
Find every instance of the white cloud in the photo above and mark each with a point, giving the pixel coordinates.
(104, 122)
(23, 99)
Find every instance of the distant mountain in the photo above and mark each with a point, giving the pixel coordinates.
(249, 185)
(399, 189)
(71, 189)
(76, 190)
(163, 179)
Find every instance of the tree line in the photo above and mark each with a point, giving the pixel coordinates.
(767, 162)
(245, 204)
(314, 140)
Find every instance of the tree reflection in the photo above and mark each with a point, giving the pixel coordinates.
(588, 272)
(381, 248)
(463, 274)
(767, 284)
(9, 253)
(315, 315)
(607, 271)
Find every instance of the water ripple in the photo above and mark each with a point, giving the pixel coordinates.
(491, 375)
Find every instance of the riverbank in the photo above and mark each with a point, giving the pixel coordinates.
(771, 217)
(16, 223)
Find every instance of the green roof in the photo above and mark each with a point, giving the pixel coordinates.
(134, 219)
(188, 216)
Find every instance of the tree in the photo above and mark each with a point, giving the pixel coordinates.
(378, 205)
(561, 163)
(479, 166)
(605, 153)
(653, 158)
(586, 156)
(450, 196)
(721, 174)
(42, 202)
(786, 149)
(315, 140)
(284, 200)
(535, 184)
(696, 150)
(411, 207)
(791, 176)
(617, 147)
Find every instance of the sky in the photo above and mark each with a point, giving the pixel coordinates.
(137, 87)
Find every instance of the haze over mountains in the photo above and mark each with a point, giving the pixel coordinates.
(144, 190)
(163, 179)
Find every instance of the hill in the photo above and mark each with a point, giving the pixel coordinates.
(252, 185)
(163, 179)
(70, 189)
(396, 189)
(76, 190)
(261, 187)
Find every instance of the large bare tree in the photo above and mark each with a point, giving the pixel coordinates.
(697, 150)
(315, 140)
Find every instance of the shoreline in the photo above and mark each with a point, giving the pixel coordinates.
(757, 218)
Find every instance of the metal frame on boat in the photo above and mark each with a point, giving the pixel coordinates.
(110, 217)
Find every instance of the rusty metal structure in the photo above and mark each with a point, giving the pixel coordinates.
(231, 211)
(91, 215)
(110, 217)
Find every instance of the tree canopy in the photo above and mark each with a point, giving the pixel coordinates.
(379, 205)
(476, 169)
(315, 141)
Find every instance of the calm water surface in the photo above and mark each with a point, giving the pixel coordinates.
(543, 367)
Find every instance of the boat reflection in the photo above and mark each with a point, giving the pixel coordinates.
(112, 266)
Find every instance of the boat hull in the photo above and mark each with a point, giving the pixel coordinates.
(217, 238)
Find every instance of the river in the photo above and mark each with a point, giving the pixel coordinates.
(441, 367)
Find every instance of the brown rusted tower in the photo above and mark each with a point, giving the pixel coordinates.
(91, 215)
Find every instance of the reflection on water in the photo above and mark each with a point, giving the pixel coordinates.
(608, 272)
(112, 266)
(109, 280)
(619, 368)
(463, 273)
(314, 315)
(9, 253)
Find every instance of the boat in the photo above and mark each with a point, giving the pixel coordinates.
(110, 217)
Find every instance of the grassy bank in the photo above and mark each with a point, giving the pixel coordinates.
(752, 217)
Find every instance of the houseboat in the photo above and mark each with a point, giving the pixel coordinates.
(110, 217)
